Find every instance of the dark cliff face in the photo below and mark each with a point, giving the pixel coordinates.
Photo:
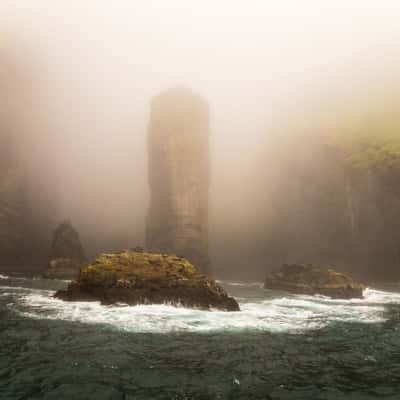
(374, 209)
(325, 210)
(13, 213)
(178, 147)
(11, 216)
(24, 234)
(24, 237)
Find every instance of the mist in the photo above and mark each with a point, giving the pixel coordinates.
(87, 72)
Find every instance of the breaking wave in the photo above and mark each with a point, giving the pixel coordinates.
(263, 310)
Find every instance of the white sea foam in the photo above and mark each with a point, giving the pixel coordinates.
(273, 314)
(15, 288)
(4, 276)
(242, 284)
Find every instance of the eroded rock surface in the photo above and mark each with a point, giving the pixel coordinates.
(137, 277)
(178, 140)
(309, 279)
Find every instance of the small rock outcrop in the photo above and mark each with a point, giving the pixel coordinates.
(309, 279)
(137, 277)
(67, 255)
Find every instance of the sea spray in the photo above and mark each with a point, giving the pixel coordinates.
(262, 311)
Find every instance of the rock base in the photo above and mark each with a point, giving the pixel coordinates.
(137, 277)
(312, 280)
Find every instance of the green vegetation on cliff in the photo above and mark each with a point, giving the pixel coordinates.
(371, 142)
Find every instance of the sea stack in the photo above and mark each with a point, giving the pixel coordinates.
(178, 145)
(67, 255)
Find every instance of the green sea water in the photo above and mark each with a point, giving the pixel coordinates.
(278, 347)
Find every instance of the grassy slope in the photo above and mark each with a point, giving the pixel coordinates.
(371, 142)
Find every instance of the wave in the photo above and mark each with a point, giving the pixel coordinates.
(15, 278)
(242, 284)
(294, 314)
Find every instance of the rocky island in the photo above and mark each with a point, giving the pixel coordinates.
(310, 279)
(137, 277)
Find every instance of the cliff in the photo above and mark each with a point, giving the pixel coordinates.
(23, 232)
(336, 202)
(11, 217)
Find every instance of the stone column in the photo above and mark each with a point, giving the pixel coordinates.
(178, 145)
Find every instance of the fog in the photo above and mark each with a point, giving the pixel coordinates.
(87, 71)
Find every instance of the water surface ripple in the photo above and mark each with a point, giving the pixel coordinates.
(279, 346)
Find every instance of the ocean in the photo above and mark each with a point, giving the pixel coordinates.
(278, 347)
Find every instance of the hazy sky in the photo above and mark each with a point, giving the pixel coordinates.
(259, 63)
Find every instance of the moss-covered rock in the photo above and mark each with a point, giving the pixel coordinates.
(309, 279)
(136, 277)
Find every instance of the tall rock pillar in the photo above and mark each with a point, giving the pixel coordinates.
(178, 143)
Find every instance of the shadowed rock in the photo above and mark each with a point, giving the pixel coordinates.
(309, 279)
(137, 277)
(12, 203)
(67, 254)
(11, 217)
